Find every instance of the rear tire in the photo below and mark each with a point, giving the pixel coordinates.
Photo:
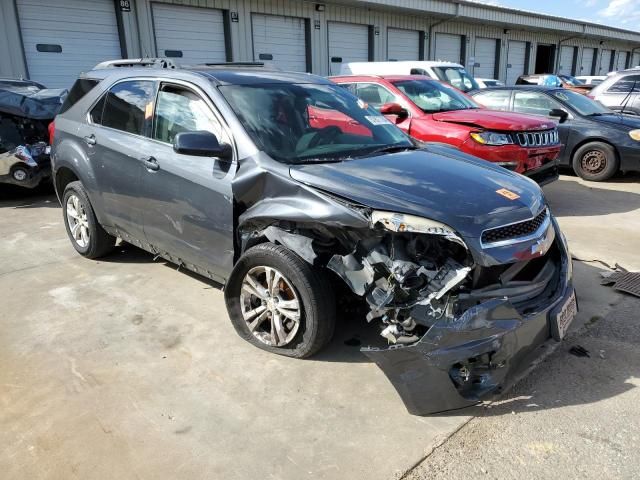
(254, 310)
(87, 236)
(20, 174)
(595, 161)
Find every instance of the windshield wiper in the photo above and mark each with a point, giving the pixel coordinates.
(388, 149)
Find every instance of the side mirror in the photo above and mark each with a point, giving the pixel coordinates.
(394, 109)
(201, 143)
(560, 114)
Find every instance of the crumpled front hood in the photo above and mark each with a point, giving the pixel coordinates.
(495, 120)
(448, 186)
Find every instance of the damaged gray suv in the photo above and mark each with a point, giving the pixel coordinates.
(285, 188)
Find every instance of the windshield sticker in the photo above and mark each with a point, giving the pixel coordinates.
(508, 194)
(377, 120)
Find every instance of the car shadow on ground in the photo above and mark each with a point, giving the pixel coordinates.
(12, 196)
(570, 198)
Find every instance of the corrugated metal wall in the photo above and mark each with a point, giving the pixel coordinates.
(428, 16)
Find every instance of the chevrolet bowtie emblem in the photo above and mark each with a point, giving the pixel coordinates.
(542, 244)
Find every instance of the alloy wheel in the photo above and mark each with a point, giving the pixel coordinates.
(77, 221)
(270, 306)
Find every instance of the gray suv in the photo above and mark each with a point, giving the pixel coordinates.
(620, 91)
(290, 191)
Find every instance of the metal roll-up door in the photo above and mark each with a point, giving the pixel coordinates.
(516, 59)
(485, 54)
(448, 47)
(622, 60)
(65, 37)
(348, 42)
(587, 61)
(604, 66)
(635, 62)
(280, 40)
(189, 34)
(566, 60)
(403, 44)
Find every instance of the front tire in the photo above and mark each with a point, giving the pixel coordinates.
(280, 303)
(87, 236)
(595, 161)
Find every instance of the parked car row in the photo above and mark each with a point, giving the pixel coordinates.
(287, 187)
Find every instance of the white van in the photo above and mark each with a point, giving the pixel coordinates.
(449, 72)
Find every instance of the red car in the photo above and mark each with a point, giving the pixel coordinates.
(432, 111)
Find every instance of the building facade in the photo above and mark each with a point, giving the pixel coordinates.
(51, 41)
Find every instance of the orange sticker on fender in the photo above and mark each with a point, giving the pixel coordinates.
(508, 194)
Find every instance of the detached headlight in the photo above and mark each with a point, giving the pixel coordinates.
(635, 134)
(401, 222)
(492, 138)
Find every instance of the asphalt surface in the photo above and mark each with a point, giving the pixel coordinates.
(572, 417)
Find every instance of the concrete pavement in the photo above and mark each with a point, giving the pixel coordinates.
(126, 368)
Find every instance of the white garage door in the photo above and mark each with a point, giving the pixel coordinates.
(516, 56)
(485, 53)
(587, 61)
(280, 40)
(448, 47)
(189, 34)
(65, 37)
(636, 60)
(605, 62)
(566, 60)
(403, 44)
(348, 42)
(622, 60)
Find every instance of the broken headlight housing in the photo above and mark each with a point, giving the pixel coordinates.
(405, 223)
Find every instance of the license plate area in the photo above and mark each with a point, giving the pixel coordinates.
(561, 319)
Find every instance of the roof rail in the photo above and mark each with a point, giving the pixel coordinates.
(138, 62)
(233, 64)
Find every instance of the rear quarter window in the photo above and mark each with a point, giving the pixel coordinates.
(80, 88)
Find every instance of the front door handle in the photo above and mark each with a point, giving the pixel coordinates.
(151, 163)
(90, 139)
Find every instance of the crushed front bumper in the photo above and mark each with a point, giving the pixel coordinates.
(459, 363)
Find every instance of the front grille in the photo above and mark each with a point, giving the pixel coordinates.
(544, 138)
(515, 230)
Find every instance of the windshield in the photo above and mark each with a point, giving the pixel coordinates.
(571, 80)
(432, 97)
(301, 123)
(580, 103)
(458, 77)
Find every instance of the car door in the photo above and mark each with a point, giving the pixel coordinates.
(539, 103)
(115, 134)
(188, 213)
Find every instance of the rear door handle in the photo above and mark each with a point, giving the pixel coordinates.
(151, 163)
(91, 139)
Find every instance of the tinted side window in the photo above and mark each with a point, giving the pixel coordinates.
(79, 90)
(498, 100)
(128, 106)
(96, 111)
(181, 110)
(535, 103)
(625, 84)
(375, 95)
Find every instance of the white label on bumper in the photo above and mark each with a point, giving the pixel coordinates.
(566, 315)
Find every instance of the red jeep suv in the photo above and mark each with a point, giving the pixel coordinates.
(432, 111)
